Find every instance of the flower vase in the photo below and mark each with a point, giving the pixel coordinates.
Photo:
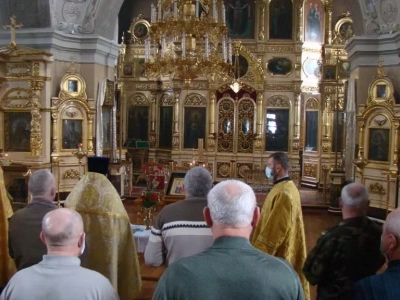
(148, 217)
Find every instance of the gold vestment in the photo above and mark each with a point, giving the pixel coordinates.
(111, 247)
(280, 231)
(7, 265)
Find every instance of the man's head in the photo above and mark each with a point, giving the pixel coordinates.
(278, 165)
(62, 232)
(197, 182)
(354, 200)
(390, 239)
(42, 185)
(231, 209)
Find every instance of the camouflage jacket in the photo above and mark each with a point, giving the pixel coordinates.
(344, 254)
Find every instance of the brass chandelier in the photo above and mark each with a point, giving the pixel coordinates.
(188, 39)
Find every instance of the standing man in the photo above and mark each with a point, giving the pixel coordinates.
(384, 286)
(347, 252)
(232, 268)
(59, 275)
(25, 246)
(280, 231)
(179, 229)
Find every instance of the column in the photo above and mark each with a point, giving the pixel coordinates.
(153, 111)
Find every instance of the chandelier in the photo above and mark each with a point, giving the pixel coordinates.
(188, 39)
(236, 84)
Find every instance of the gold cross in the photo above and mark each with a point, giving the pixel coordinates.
(13, 26)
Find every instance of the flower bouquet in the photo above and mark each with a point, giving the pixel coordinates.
(149, 199)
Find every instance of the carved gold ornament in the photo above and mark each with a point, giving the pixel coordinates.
(71, 174)
(376, 188)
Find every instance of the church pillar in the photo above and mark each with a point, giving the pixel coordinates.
(211, 123)
(175, 133)
(90, 133)
(259, 122)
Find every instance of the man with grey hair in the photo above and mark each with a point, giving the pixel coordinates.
(25, 246)
(347, 252)
(179, 229)
(231, 268)
(59, 275)
(384, 286)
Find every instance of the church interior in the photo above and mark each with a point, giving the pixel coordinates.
(152, 88)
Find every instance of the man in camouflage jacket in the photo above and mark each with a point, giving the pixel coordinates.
(347, 252)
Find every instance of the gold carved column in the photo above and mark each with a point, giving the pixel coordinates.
(54, 115)
(261, 35)
(329, 24)
(153, 111)
(152, 136)
(259, 122)
(90, 131)
(211, 124)
(299, 32)
(175, 133)
(296, 122)
(326, 117)
(36, 140)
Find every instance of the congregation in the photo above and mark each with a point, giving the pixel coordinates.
(216, 244)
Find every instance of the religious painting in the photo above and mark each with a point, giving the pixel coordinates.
(106, 115)
(329, 73)
(165, 128)
(343, 68)
(277, 130)
(240, 18)
(280, 19)
(337, 134)
(175, 184)
(138, 122)
(141, 29)
(128, 70)
(243, 66)
(314, 20)
(18, 189)
(312, 68)
(279, 66)
(72, 86)
(346, 30)
(378, 144)
(195, 126)
(381, 91)
(71, 133)
(17, 127)
(138, 67)
(311, 131)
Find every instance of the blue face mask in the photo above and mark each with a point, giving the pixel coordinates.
(268, 173)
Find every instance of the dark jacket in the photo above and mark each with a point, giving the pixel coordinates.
(24, 244)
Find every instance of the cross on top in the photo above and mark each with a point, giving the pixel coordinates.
(13, 26)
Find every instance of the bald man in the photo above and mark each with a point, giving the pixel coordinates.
(24, 244)
(59, 275)
(384, 286)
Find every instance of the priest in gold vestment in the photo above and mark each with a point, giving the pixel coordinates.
(111, 247)
(7, 265)
(280, 231)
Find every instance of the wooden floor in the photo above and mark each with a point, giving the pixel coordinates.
(316, 220)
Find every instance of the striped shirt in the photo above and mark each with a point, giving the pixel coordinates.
(178, 231)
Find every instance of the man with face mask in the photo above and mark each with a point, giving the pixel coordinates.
(347, 252)
(59, 275)
(280, 231)
(384, 286)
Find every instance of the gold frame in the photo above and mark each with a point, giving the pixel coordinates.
(75, 91)
(280, 75)
(135, 37)
(340, 71)
(339, 38)
(329, 67)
